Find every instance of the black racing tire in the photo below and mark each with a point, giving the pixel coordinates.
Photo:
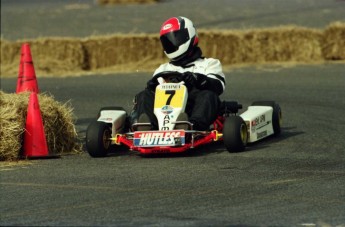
(235, 134)
(276, 116)
(112, 108)
(98, 136)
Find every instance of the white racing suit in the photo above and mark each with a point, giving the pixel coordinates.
(203, 102)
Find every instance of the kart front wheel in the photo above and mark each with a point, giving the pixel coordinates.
(235, 134)
(98, 141)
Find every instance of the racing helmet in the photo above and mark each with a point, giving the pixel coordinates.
(178, 37)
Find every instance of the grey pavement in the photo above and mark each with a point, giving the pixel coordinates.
(297, 179)
(22, 19)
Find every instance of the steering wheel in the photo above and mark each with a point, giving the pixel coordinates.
(170, 76)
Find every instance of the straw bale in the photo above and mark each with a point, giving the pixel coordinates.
(12, 120)
(122, 49)
(333, 41)
(50, 56)
(224, 45)
(133, 52)
(58, 121)
(263, 45)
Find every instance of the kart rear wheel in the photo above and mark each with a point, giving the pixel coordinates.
(235, 134)
(98, 136)
(276, 116)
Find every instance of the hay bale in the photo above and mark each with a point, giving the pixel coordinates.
(12, 122)
(333, 42)
(10, 54)
(224, 45)
(263, 45)
(50, 56)
(57, 120)
(143, 52)
(121, 49)
(282, 45)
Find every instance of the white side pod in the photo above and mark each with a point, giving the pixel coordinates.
(117, 118)
(259, 122)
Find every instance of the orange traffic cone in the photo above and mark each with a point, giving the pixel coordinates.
(35, 144)
(26, 74)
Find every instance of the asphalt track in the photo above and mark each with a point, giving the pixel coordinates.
(23, 19)
(294, 180)
(297, 179)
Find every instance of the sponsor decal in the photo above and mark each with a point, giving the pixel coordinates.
(172, 24)
(167, 109)
(157, 138)
(167, 26)
(171, 86)
(166, 122)
(257, 121)
(262, 134)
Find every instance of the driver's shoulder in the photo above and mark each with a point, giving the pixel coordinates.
(210, 60)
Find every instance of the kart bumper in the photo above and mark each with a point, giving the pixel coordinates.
(197, 138)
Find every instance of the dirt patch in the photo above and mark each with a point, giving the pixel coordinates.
(143, 52)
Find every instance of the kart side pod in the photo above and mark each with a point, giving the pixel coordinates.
(259, 122)
(116, 116)
(263, 118)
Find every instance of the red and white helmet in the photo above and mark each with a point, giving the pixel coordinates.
(178, 37)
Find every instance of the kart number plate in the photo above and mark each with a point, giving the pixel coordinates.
(173, 97)
(159, 138)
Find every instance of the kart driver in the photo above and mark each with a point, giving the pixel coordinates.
(202, 76)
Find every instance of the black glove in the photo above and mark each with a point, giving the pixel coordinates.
(190, 79)
(206, 83)
(152, 84)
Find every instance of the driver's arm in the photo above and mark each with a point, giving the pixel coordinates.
(211, 82)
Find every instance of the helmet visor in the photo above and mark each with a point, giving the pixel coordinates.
(173, 40)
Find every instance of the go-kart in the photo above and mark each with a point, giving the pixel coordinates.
(112, 130)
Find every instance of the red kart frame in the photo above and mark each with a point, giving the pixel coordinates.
(204, 137)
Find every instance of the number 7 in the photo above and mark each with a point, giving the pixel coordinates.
(171, 93)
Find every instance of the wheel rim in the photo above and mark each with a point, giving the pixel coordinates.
(244, 133)
(106, 139)
(280, 118)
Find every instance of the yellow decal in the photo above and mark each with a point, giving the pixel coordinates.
(173, 98)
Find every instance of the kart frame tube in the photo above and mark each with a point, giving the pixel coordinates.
(210, 136)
